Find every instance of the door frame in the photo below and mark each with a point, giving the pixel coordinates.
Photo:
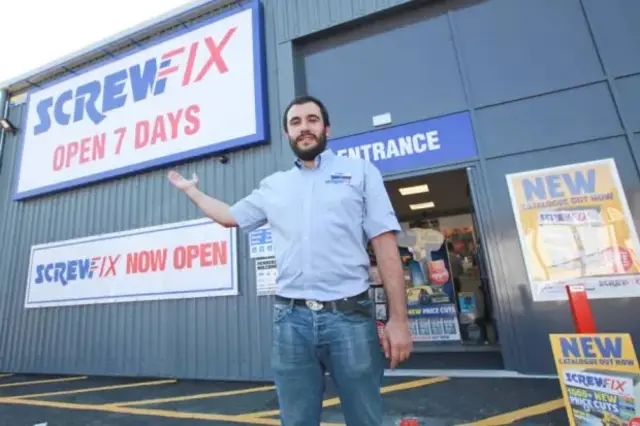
(478, 198)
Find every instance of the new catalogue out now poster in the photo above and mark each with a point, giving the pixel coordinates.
(575, 227)
(599, 377)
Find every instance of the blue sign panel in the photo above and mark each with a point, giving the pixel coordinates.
(416, 145)
(261, 242)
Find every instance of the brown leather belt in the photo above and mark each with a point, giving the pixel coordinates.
(346, 304)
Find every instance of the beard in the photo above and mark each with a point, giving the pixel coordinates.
(309, 154)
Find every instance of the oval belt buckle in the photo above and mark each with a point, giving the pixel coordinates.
(313, 305)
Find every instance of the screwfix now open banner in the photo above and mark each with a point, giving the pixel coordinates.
(180, 260)
(196, 92)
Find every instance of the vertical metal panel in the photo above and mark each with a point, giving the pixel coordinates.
(525, 325)
(298, 18)
(559, 118)
(614, 24)
(507, 33)
(629, 90)
(360, 61)
(216, 338)
(525, 117)
(529, 323)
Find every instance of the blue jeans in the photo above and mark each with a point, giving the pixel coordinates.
(346, 344)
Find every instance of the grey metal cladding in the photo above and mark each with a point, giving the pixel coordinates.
(217, 338)
(298, 18)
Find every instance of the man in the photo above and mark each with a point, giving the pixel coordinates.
(320, 212)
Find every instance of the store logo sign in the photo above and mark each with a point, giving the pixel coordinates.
(67, 271)
(197, 91)
(94, 99)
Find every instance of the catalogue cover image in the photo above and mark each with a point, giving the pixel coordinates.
(602, 397)
(575, 228)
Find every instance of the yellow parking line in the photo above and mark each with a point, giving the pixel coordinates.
(96, 389)
(386, 389)
(190, 397)
(139, 411)
(5, 375)
(523, 413)
(42, 382)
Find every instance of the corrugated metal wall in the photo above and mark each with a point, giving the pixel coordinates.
(223, 338)
(545, 101)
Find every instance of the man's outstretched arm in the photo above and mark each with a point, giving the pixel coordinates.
(247, 213)
(217, 210)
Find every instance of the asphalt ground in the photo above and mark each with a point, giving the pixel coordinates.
(27, 400)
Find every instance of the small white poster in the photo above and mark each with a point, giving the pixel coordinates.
(266, 274)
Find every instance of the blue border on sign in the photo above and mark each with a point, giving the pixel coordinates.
(232, 247)
(261, 108)
(455, 139)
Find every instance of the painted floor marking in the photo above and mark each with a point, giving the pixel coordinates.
(42, 382)
(386, 389)
(96, 389)
(5, 375)
(190, 397)
(522, 413)
(485, 374)
(247, 418)
(140, 411)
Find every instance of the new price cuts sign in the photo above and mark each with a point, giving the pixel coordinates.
(180, 260)
(198, 92)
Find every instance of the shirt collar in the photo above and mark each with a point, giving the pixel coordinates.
(326, 156)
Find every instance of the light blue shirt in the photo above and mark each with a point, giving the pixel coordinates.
(321, 219)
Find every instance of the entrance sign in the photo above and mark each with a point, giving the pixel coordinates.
(599, 377)
(181, 260)
(418, 145)
(575, 228)
(196, 92)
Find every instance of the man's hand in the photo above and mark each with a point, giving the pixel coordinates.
(397, 342)
(397, 337)
(180, 182)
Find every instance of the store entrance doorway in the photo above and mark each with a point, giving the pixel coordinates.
(448, 288)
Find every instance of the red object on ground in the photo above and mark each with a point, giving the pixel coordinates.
(409, 422)
(581, 309)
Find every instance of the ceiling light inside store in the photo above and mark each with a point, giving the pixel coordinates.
(410, 190)
(420, 206)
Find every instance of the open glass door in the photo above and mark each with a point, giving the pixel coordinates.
(477, 311)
